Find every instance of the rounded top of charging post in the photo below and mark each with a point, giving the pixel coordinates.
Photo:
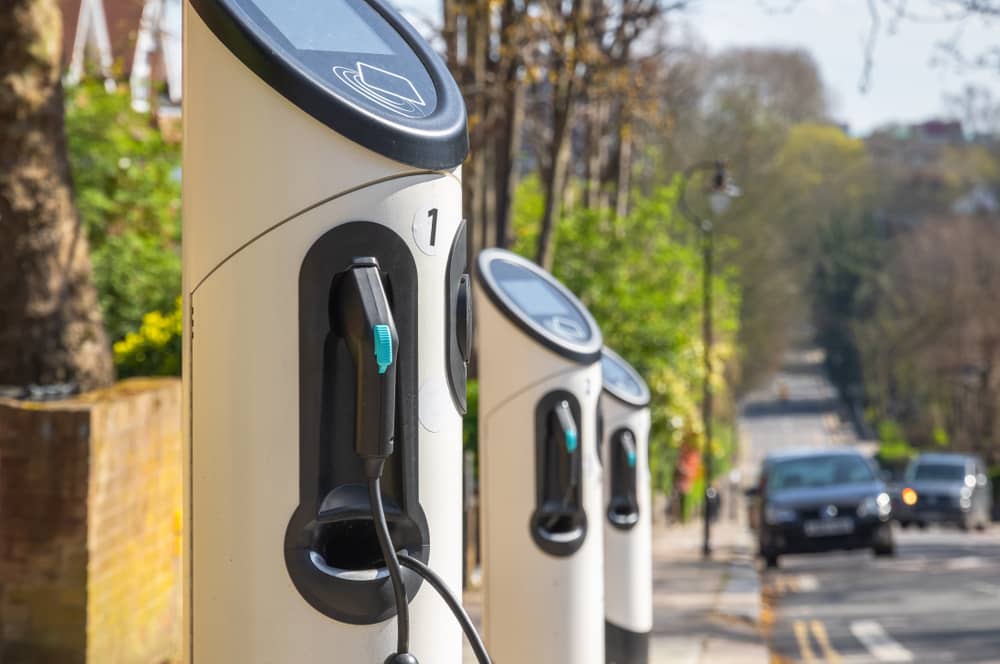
(356, 66)
(622, 381)
(540, 305)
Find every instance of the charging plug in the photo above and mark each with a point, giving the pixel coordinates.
(365, 322)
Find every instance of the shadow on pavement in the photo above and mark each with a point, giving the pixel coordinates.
(790, 407)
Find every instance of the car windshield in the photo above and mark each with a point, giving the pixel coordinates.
(946, 472)
(818, 471)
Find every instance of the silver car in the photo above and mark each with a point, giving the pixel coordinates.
(945, 488)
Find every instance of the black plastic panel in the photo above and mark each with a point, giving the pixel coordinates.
(622, 646)
(559, 522)
(623, 502)
(330, 543)
(356, 66)
(458, 303)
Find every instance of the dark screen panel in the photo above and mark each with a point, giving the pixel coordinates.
(323, 25)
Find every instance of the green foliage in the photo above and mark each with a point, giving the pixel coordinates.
(640, 277)
(155, 349)
(893, 446)
(128, 192)
(470, 424)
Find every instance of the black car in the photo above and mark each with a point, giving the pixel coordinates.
(945, 488)
(821, 500)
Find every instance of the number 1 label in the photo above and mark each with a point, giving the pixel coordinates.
(425, 230)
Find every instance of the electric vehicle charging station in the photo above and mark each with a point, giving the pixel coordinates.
(327, 329)
(540, 476)
(628, 545)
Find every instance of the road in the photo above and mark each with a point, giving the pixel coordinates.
(938, 600)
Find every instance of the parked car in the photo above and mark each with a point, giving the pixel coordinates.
(945, 488)
(821, 500)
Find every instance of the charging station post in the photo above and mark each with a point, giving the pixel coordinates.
(628, 546)
(539, 384)
(327, 330)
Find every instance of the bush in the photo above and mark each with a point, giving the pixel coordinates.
(894, 450)
(128, 191)
(155, 349)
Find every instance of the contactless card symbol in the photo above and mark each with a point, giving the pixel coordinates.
(389, 90)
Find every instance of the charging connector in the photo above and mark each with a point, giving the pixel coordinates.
(367, 325)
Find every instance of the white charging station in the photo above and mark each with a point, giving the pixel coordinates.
(322, 147)
(628, 546)
(540, 476)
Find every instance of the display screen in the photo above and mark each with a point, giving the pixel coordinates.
(541, 301)
(323, 25)
(535, 297)
(618, 377)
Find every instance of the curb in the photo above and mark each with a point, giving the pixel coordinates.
(740, 598)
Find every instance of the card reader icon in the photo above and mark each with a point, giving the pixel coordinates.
(387, 83)
(385, 88)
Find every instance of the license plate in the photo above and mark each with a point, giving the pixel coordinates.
(829, 527)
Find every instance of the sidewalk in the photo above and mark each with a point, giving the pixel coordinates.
(703, 612)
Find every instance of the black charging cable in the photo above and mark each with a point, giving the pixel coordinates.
(394, 563)
(402, 654)
(436, 582)
(365, 319)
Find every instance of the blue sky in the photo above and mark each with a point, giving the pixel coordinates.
(905, 86)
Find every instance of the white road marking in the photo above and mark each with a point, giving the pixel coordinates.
(807, 583)
(882, 646)
(966, 562)
(990, 589)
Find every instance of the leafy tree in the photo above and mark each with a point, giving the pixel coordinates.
(128, 188)
(640, 277)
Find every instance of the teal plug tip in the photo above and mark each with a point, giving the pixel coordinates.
(383, 347)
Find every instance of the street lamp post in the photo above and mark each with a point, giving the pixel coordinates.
(720, 192)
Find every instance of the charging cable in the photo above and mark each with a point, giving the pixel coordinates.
(370, 332)
(394, 563)
(436, 582)
(402, 654)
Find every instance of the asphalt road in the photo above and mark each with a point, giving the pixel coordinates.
(938, 600)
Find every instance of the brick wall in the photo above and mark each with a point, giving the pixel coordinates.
(90, 501)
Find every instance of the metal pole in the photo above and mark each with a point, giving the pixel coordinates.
(706, 404)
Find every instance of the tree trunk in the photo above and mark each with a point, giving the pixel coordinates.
(564, 66)
(51, 329)
(507, 145)
(554, 187)
(623, 188)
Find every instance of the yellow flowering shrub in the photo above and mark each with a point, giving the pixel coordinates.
(155, 349)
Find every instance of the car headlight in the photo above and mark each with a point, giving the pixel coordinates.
(776, 515)
(880, 506)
